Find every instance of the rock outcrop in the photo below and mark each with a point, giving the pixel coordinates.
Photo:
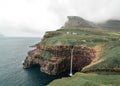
(58, 58)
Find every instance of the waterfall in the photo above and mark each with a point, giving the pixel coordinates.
(71, 62)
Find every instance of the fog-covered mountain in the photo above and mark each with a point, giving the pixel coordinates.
(75, 21)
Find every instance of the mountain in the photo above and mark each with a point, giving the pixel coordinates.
(85, 45)
(111, 24)
(76, 22)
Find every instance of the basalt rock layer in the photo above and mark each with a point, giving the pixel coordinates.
(58, 60)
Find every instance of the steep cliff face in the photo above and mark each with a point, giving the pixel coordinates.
(58, 60)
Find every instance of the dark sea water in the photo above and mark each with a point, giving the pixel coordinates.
(12, 52)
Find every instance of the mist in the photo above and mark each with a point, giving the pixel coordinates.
(31, 18)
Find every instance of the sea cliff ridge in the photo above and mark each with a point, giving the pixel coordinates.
(90, 44)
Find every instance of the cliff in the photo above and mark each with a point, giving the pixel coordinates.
(56, 60)
(92, 48)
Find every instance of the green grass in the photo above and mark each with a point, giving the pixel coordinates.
(91, 37)
(89, 79)
(45, 54)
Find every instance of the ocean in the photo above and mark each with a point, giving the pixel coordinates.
(12, 52)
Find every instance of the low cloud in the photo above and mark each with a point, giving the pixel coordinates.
(38, 16)
(94, 10)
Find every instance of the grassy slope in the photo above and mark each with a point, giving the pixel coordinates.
(111, 55)
(90, 79)
(89, 37)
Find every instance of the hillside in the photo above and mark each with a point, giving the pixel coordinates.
(111, 25)
(93, 50)
(89, 79)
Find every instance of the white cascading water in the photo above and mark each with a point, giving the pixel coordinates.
(71, 62)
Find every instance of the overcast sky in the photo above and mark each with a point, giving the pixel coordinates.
(29, 18)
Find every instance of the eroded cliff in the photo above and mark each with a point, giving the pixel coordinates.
(56, 60)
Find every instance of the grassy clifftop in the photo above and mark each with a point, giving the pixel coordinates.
(78, 36)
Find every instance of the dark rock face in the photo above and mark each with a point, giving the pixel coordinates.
(32, 59)
(60, 57)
